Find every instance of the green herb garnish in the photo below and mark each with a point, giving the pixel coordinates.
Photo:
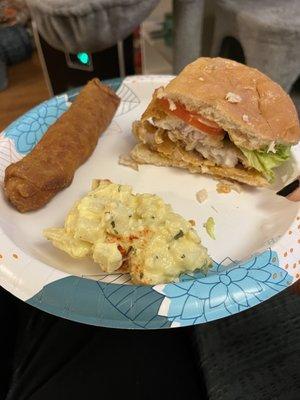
(178, 235)
(210, 227)
(130, 249)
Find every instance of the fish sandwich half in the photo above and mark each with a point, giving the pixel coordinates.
(222, 118)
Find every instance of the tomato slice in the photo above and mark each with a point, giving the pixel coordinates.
(194, 119)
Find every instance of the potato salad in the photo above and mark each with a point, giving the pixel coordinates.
(126, 232)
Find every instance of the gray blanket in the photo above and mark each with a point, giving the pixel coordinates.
(254, 355)
(88, 25)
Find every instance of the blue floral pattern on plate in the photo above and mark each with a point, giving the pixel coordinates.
(102, 304)
(28, 130)
(226, 290)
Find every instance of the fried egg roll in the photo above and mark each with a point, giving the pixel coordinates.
(50, 167)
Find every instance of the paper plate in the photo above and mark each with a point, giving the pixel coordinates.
(256, 251)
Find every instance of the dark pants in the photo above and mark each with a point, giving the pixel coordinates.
(45, 357)
(254, 355)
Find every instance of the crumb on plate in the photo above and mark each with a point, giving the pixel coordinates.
(126, 160)
(224, 186)
(201, 195)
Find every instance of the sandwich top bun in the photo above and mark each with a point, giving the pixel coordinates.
(253, 109)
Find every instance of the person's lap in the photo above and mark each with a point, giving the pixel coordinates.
(56, 358)
(45, 357)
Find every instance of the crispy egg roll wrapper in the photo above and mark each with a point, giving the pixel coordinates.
(50, 167)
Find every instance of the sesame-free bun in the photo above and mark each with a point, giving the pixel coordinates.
(247, 104)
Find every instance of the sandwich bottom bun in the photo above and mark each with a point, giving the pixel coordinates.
(169, 154)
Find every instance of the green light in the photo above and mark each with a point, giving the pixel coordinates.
(84, 58)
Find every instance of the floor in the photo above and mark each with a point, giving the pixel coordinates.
(26, 88)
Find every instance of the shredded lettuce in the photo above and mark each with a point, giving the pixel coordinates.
(264, 162)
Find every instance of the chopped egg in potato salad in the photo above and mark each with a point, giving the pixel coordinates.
(135, 233)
